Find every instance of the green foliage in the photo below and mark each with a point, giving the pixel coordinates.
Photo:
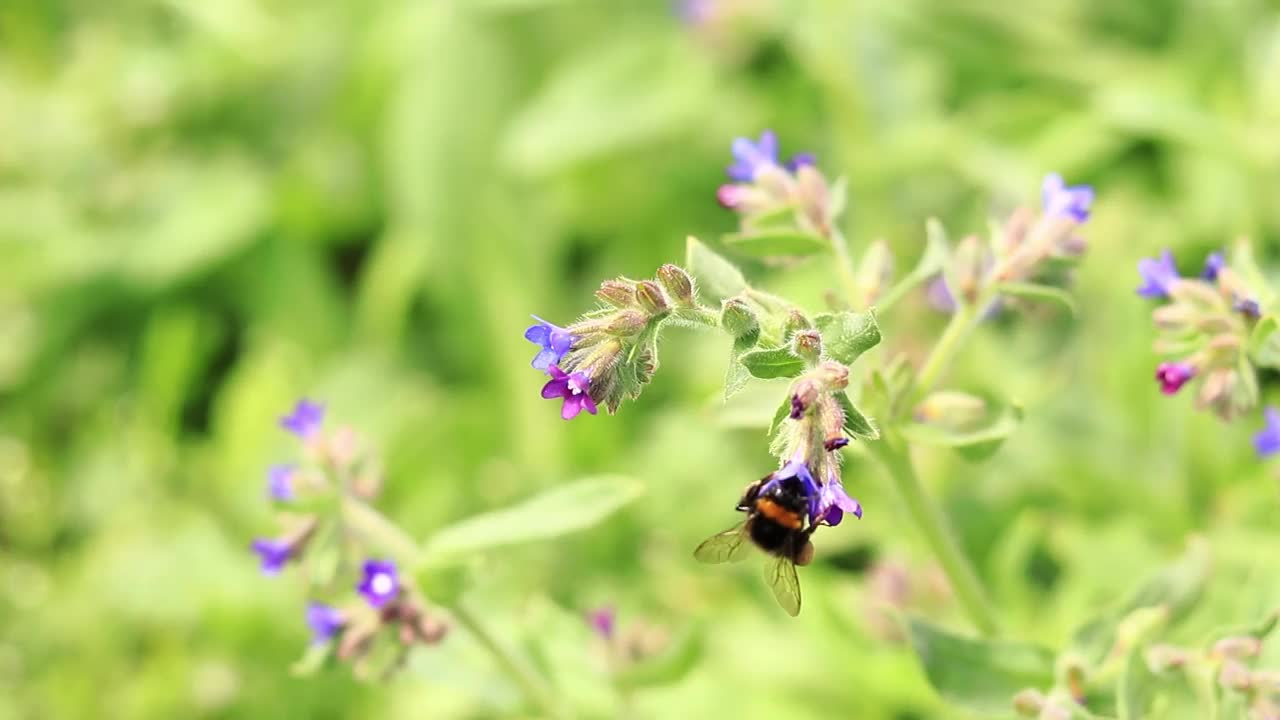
(978, 675)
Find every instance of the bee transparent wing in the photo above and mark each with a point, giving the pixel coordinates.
(780, 574)
(728, 546)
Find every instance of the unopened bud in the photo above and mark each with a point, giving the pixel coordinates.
(1266, 681)
(803, 396)
(1235, 676)
(1072, 673)
(618, 293)
(833, 375)
(1029, 702)
(626, 323)
(677, 283)
(737, 318)
(968, 268)
(807, 345)
(1174, 316)
(651, 298)
(1163, 658)
(795, 322)
(814, 198)
(1237, 647)
(875, 271)
(952, 410)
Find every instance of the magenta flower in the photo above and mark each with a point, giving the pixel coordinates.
(380, 583)
(1267, 441)
(575, 389)
(274, 554)
(305, 421)
(555, 341)
(1060, 200)
(324, 621)
(1172, 376)
(603, 621)
(831, 503)
(280, 482)
(1157, 275)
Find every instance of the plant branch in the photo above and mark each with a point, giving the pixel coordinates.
(530, 684)
(844, 266)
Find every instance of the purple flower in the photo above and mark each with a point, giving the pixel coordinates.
(938, 292)
(573, 388)
(602, 621)
(831, 503)
(750, 157)
(274, 554)
(305, 421)
(554, 341)
(797, 407)
(794, 469)
(1172, 376)
(1248, 307)
(695, 12)
(1212, 266)
(1267, 441)
(380, 584)
(801, 159)
(324, 621)
(1157, 275)
(835, 443)
(280, 482)
(1062, 201)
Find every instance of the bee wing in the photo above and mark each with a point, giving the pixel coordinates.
(780, 574)
(727, 546)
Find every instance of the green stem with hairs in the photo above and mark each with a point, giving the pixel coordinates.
(963, 321)
(931, 522)
(844, 265)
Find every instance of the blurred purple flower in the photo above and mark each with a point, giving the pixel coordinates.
(1172, 376)
(274, 554)
(835, 443)
(797, 407)
(1157, 274)
(575, 389)
(1248, 307)
(1267, 441)
(801, 159)
(603, 620)
(380, 583)
(750, 157)
(1060, 200)
(939, 294)
(793, 469)
(730, 196)
(306, 419)
(324, 621)
(554, 341)
(1212, 266)
(831, 503)
(280, 482)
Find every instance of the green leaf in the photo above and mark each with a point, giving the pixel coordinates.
(777, 242)
(855, 423)
(669, 666)
(1178, 586)
(1134, 689)
(737, 375)
(1035, 291)
(978, 443)
(1264, 342)
(560, 511)
(768, 363)
(846, 335)
(780, 415)
(979, 675)
(716, 276)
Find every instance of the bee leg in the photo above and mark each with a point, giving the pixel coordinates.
(804, 555)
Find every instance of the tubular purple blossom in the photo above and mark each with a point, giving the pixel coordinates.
(793, 469)
(574, 388)
(1267, 440)
(1157, 274)
(280, 482)
(1212, 266)
(324, 621)
(603, 620)
(1172, 376)
(801, 159)
(380, 583)
(1247, 307)
(750, 157)
(305, 420)
(554, 340)
(1062, 201)
(831, 503)
(274, 554)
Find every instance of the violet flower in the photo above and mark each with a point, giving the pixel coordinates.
(324, 621)
(1062, 201)
(555, 341)
(801, 159)
(280, 482)
(603, 621)
(380, 583)
(1212, 266)
(1267, 441)
(1157, 275)
(831, 503)
(1172, 376)
(795, 469)
(1247, 307)
(574, 388)
(750, 157)
(306, 419)
(274, 554)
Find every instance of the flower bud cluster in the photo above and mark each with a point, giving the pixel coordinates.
(770, 195)
(1228, 659)
(376, 620)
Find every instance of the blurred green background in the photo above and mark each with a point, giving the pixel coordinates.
(209, 209)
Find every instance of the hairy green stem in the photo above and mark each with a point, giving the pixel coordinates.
(844, 264)
(930, 521)
(530, 684)
(963, 320)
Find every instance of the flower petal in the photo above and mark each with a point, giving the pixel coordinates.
(556, 388)
(572, 406)
(544, 359)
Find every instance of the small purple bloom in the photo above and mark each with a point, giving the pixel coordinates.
(1157, 275)
(280, 482)
(1267, 441)
(793, 469)
(1212, 266)
(801, 159)
(274, 554)
(833, 444)
(603, 621)
(1172, 376)
(324, 621)
(1060, 200)
(750, 157)
(831, 503)
(575, 389)
(938, 292)
(797, 407)
(306, 419)
(1248, 307)
(381, 582)
(554, 340)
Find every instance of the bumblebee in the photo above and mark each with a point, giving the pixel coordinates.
(777, 509)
